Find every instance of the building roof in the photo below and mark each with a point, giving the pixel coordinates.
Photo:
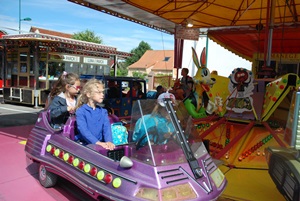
(61, 44)
(156, 59)
(2, 33)
(50, 32)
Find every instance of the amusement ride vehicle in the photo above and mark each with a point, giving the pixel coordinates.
(154, 167)
(284, 162)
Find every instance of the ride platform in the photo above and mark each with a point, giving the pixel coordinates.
(19, 178)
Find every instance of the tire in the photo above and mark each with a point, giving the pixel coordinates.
(46, 178)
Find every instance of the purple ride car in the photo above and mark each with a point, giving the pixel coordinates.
(179, 168)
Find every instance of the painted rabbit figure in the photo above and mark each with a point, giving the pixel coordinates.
(199, 104)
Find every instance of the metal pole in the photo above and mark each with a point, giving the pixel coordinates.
(19, 16)
(3, 70)
(206, 59)
(193, 64)
(2, 76)
(115, 65)
(271, 26)
(36, 75)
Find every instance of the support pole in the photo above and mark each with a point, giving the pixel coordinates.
(206, 52)
(274, 134)
(36, 75)
(235, 140)
(266, 70)
(271, 27)
(19, 16)
(115, 65)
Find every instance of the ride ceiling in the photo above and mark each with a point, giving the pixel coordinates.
(233, 24)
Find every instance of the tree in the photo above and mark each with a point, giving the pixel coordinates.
(137, 53)
(121, 69)
(88, 36)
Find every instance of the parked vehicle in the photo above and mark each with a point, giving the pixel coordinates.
(180, 168)
(118, 94)
(284, 162)
(1, 85)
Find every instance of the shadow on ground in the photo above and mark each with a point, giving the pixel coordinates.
(19, 119)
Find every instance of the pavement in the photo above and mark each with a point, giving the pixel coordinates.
(19, 176)
(16, 122)
(17, 114)
(19, 173)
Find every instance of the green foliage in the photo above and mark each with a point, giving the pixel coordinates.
(163, 74)
(88, 36)
(139, 74)
(137, 52)
(122, 69)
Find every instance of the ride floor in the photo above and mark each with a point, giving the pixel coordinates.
(248, 179)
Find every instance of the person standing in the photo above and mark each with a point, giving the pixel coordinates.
(181, 87)
(185, 79)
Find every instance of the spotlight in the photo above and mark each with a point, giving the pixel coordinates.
(189, 23)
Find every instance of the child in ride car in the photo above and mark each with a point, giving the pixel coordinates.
(157, 124)
(92, 120)
(63, 98)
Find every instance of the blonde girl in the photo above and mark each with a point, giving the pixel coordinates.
(92, 120)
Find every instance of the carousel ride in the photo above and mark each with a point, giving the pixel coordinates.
(241, 116)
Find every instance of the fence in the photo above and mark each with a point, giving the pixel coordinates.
(165, 81)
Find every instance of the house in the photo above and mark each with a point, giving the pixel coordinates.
(154, 62)
(49, 32)
(32, 62)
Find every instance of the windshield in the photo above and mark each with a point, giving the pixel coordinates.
(155, 133)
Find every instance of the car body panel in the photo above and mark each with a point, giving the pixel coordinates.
(103, 175)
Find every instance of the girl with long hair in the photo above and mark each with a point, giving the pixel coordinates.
(63, 98)
(93, 124)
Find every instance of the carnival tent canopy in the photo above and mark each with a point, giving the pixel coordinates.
(246, 42)
(238, 25)
(165, 14)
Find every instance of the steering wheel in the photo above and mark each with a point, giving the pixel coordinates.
(154, 136)
(140, 143)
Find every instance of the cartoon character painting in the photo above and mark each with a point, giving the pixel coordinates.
(241, 88)
(201, 102)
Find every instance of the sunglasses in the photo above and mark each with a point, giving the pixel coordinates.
(76, 87)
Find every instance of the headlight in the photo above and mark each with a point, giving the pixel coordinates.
(179, 192)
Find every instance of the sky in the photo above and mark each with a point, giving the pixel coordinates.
(67, 17)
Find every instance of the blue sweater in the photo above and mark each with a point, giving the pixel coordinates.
(93, 125)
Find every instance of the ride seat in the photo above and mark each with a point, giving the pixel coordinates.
(70, 128)
(48, 117)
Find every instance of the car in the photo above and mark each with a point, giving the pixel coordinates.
(177, 168)
(116, 94)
